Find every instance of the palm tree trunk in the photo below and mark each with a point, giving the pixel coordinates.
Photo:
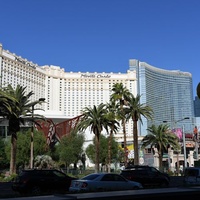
(178, 163)
(109, 150)
(135, 142)
(125, 145)
(160, 161)
(13, 153)
(97, 153)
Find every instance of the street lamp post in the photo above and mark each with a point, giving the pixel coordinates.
(184, 148)
(178, 166)
(32, 129)
(184, 145)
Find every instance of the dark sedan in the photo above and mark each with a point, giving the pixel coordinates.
(36, 182)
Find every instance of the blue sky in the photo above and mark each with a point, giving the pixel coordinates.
(102, 35)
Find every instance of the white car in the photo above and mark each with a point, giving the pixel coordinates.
(99, 182)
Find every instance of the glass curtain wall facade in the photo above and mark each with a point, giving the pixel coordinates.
(197, 107)
(168, 92)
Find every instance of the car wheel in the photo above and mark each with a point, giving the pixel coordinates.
(35, 190)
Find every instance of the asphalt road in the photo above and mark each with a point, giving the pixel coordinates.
(150, 194)
(7, 192)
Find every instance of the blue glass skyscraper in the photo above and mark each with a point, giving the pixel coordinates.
(197, 107)
(168, 92)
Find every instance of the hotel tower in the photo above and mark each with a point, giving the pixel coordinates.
(168, 92)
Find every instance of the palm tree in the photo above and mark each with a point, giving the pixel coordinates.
(135, 110)
(6, 102)
(111, 107)
(121, 95)
(161, 138)
(95, 119)
(20, 111)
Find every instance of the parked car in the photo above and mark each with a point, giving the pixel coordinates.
(192, 175)
(99, 182)
(36, 182)
(146, 175)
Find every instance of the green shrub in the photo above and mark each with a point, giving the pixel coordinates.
(6, 178)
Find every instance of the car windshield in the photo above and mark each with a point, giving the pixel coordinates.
(90, 177)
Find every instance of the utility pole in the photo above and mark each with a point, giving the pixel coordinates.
(32, 130)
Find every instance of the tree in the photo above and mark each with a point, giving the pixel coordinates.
(70, 148)
(23, 144)
(4, 163)
(90, 152)
(104, 156)
(6, 103)
(162, 138)
(135, 110)
(20, 110)
(121, 95)
(95, 119)
(111, 115)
